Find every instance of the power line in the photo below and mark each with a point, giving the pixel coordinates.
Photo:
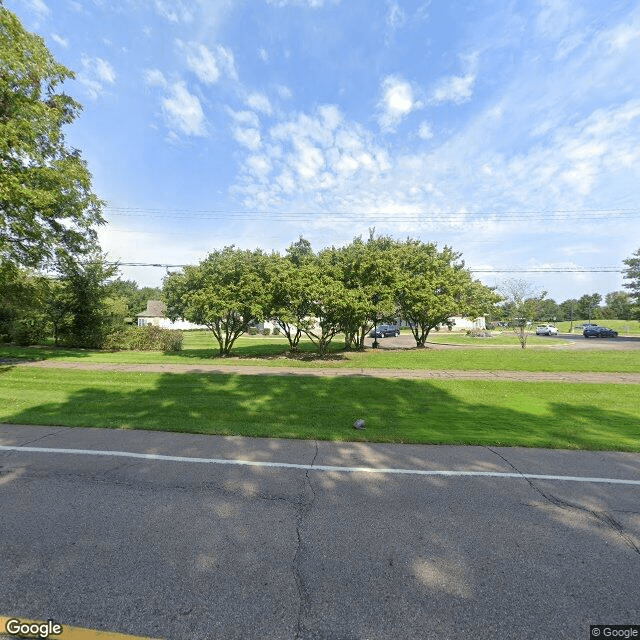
(512, 270)
(424, 215)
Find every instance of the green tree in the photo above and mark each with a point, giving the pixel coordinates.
(135, 298)
(547, 311)
(432, 286)
(618, 305)
(23, 314)
(290, 296)
(368, 272)
(567, 310)
(523, 304)
(632, 274)
(589, 307)
(46, 200)
(326, 312)
(225, 292)
(58, 308)
(85, 294)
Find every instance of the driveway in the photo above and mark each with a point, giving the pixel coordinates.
(185, 536)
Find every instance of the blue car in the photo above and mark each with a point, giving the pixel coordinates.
(384, 331)
(594, 331)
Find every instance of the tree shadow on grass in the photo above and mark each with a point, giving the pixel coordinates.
(13, 354)
(440, 546)
(324, 408)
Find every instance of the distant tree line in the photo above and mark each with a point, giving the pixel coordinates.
(81, 304)
(617, 304)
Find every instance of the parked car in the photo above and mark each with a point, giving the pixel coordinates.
(594, 331)
(384, 331)
(547, 330)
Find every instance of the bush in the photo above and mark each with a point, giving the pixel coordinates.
(147, 338)
(266, 332)
(252, 331)
(479, 333)
(31, 329)
(276, 331)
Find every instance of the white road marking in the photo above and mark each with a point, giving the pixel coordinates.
(318, 467)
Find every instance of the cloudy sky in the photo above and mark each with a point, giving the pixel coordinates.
(507, 129)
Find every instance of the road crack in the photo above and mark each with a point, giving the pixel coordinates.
(304, 507)
(601, 517)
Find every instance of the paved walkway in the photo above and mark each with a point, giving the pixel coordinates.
(419, 374)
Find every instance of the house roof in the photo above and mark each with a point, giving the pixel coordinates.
(155, 309)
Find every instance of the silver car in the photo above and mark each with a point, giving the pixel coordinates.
(547, 330)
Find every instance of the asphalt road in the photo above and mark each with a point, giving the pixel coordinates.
(188, 550)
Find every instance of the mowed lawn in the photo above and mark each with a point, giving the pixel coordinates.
(567, 415)
(494, 354)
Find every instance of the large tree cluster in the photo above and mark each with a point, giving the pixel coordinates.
(336, 290)
(48, 211)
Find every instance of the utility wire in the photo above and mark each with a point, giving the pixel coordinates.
(253, 215)
(512, 270)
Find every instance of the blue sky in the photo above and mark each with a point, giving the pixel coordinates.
(509, 130)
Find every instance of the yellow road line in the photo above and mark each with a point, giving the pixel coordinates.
(13, 627)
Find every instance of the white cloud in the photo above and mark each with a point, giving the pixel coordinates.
(104, 71)
(556, 16)
(208, 64)
(39, 7)
(174, 11)
(313, 155)
(201, 61)
(249, 138)
(63, 42)
(154, 78)
(455, 89)
(623, 35)
(396, 16)
(397, 102)
(183, 111)
(97, 72)
(259, 102)
(424, 131)
(312, 4)
(284, 92)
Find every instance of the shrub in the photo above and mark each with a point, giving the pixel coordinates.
(266, 332)
(147, 338)
(479, 333)
(31, 329)
(276, 331)
(252, 331)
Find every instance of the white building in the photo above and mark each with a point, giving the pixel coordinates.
(156, 314)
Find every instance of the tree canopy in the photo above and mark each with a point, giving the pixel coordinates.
(337, 290)
(225, 292)
(47, 205)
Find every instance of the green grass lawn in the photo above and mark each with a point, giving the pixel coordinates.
(573, 416)
(544, 354)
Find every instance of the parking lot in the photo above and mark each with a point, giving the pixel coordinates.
(572, 340)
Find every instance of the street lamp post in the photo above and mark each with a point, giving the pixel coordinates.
(375, 300)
